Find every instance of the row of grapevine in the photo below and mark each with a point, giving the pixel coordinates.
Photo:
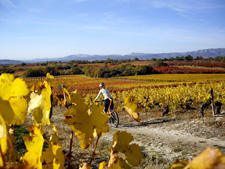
(178, 96)
(177, 77)
(86, 121)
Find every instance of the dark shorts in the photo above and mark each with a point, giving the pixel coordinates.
(106, 104)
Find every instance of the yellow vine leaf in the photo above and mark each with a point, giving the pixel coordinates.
(179, 164)
(209, 158)
(34, 144)
(114, 157)
(131, 106)
(79, 105)
(37, 87)
(133, 155)
(86, 124)
(85, 166)
(102, 165)
(53, 157)
(3, 139)
(121, 143)
(49, 77)
(68, 94)
(40, 104)
(13, 105)
(120, 164)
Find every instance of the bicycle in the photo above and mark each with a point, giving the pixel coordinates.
(114, 118)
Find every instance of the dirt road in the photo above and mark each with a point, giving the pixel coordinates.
(170, 138)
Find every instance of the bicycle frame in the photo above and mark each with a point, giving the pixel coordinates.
(109, 112)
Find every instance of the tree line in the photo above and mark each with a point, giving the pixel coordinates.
(124, 67)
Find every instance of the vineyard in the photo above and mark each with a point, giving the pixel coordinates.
(164, 118)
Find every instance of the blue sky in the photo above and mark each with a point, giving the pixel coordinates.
(57, 28)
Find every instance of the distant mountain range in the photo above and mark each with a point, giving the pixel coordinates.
(205, 53)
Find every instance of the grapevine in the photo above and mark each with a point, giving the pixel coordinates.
(86, 121)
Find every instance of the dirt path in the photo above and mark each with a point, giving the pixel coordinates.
(162, 139)
(173, 138)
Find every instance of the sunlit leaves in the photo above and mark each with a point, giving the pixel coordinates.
(40, 104)
(49, 77)
(78, 105)
(132, 107)
(122, 143)
(53, 156)
(34, 144)
(179, 164)
(102, 165)
(3, 140)
(85, 166)
(86, 123)
(209, 158)
(10, 87)
(13, 105)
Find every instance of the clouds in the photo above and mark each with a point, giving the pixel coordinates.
(6, 3)
(120, 25)
(78, 1)
(184, 6)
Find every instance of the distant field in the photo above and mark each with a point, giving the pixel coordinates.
(87, 84)
(90, 85)
(177, 77)
(201, 67)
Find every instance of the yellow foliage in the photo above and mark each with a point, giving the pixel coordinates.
(131, 106)
(102, 165)
(210, 158)
(40, 104)
(53, 157)
(34, 144)
(179, 164)
(120, 164)
(78, 103)
(13, 105)
(85, 166)
(49, 77)
(3, 139)
(86, 124)
(121, 143)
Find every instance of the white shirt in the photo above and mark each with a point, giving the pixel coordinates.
(105, 93)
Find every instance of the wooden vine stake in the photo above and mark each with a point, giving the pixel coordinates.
(212, 102)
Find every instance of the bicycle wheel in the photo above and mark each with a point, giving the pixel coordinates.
(114, 119)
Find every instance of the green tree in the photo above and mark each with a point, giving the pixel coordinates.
(23, 64)
(160, 63)
(135, 59)
(223, 60)
(92, 71)
(76, 70)
(188, 58)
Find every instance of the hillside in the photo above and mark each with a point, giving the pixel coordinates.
(205, 53)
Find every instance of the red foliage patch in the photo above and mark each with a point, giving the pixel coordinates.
(177, 70)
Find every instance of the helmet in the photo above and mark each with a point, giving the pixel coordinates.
(101, 84)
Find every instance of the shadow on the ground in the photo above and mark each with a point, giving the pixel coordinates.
(149, 122)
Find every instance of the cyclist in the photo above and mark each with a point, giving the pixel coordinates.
(107, 97)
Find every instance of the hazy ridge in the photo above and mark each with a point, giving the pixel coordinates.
(206, 53)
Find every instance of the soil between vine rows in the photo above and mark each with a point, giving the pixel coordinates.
(179, 135)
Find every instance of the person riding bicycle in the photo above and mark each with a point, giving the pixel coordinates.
(107, 97)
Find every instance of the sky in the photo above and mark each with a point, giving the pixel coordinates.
(32, 29)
